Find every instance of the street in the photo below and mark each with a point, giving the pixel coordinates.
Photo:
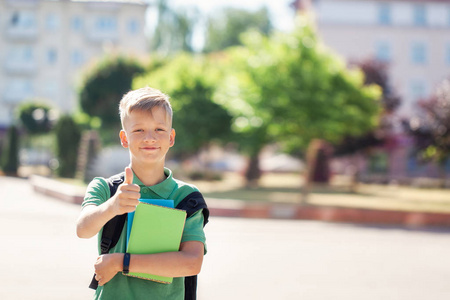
(41, 257)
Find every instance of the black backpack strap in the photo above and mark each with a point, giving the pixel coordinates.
(113, 228)
(191, 204)
(190, 287)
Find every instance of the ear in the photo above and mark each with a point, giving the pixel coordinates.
(172, 137)
(123, 139)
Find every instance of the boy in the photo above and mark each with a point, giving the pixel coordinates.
(147, 132)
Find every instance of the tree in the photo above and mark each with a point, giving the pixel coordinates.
(68, 136)
(431, 130)
(10, 153)
(198, 121)
(104, 85)
(224, 28)
(289, 89)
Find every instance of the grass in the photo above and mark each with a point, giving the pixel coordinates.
(286, 188)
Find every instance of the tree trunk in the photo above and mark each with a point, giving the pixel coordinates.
(442, 175)
(317, 166)
(355, 174)
(253, 172)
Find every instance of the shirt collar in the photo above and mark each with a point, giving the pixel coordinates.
(163, 189)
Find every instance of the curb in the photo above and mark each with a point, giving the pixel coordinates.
(244, 209)
(336, 214)
(60, 190)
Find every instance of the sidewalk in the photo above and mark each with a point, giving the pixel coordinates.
(267, 210)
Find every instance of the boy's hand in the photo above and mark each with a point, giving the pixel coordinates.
(107, 266)
(127, 196)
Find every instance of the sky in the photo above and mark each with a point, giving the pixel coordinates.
(282, 15)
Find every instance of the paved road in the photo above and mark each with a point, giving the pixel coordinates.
(41, 257)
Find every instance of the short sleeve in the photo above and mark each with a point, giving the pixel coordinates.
(193, 229)
(97, 192)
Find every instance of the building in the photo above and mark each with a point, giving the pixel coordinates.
(412, 36)
(45, 44)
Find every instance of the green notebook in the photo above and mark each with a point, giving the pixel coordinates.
(155, 229)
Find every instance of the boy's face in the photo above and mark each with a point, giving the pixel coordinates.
(148, 136)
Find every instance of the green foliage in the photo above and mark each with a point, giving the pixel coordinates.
(10, 153)
(226, 26)
(35, 117)
(104, 85)
(189, 81)
(289, 89)
(68, 135)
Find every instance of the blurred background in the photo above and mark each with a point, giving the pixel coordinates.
(324, 110)
(335, 96)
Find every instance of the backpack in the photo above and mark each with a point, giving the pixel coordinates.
(113, 228)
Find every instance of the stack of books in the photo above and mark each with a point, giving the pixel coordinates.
(154, 227)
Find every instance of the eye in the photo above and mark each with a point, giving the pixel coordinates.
(138, 130)
(160, 129)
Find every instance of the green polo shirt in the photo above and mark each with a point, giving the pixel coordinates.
(124, 287)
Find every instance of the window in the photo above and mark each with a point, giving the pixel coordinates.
(76, 23)
(50, 88)
(417, 90)
(28, 54)
(447, 54)
(133, 26)
(384, 14)
(18, 89)
(52, 56)
(383, 51)
(106, 24)
(23, 19)
(419, 15)
(21, 55)
(448, 16)
(418, 53)
(51, 22)
(77, 58)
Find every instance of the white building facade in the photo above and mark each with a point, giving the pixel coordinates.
(45, 44)
(412, 36)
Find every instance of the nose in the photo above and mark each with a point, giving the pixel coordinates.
(150, 136)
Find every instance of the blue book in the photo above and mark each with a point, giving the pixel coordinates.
(159, 202)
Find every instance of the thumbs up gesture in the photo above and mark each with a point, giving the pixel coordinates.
(128, 176)
(127, 196)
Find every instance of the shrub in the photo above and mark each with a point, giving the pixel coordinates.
(35, 117)
(10, 157)
(68, 135)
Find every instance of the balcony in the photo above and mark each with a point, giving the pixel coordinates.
(15, 96)
(22, 33)
(20, 67)
(22, 3)
(103, 36)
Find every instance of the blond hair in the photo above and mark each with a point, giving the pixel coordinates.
(144, 99)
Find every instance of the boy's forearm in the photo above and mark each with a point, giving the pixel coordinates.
(170, 264)
(186, 262)
(92, 219)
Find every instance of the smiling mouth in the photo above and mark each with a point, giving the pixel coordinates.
(149, 148)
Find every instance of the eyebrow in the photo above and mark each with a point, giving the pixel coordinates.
(157, 123)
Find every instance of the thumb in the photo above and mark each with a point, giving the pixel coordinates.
(128, 176)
